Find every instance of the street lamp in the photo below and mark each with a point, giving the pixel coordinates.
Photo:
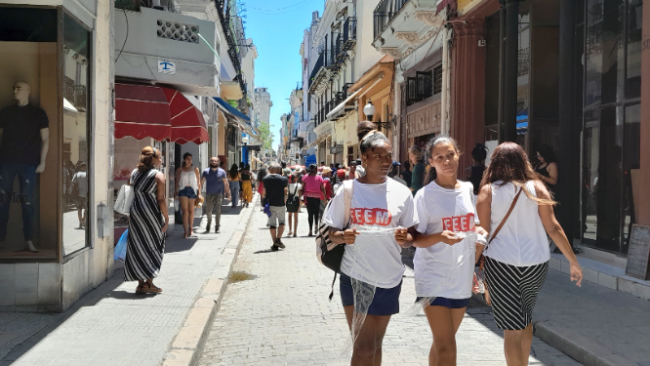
(369, 110)
(244, 140)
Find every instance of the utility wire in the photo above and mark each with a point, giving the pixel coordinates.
(125, 38)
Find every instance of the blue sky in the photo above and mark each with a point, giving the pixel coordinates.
(277, 29)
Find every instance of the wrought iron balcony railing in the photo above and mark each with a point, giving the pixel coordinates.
(385, 12)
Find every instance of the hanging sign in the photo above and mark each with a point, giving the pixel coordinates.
(166, 66)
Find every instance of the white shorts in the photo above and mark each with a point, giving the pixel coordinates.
(277, 217)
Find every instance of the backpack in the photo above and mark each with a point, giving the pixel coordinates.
(328, 253)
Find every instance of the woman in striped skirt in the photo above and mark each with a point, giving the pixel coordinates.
(147, 223)
(516, 260)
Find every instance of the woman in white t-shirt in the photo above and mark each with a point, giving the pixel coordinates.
(516, 261)
(381, 212)
(445, 239)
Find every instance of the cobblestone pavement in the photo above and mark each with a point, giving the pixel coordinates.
(113, 326)
(282, 317)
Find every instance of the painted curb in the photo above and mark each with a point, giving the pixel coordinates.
(187, 347)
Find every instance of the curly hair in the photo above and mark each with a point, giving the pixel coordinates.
(509, 164)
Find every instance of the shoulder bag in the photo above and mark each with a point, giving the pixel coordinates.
(125, 197)
(482, 265)
(331, 254)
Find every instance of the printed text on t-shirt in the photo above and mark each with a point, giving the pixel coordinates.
(459, 224)
(370, 216)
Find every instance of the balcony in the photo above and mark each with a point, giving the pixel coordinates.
(400, 26)
(167, 48)
(384, 13)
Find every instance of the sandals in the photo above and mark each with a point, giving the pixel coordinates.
(148, 288)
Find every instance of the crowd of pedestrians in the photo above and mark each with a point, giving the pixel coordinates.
(500, 219)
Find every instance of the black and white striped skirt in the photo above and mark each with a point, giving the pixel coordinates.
(513, 292)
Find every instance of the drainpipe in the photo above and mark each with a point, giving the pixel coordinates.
(446, 97)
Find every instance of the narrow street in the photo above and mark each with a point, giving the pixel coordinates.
(282, 315)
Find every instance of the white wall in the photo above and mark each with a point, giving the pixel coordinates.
(366, 54)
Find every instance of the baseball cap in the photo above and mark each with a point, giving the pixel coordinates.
(341, 173)
(353, 163)
(396, 163)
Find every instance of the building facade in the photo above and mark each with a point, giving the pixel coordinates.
(59, 56)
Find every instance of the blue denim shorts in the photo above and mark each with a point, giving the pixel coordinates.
(187, 192)
(385, 301)
(448, 303)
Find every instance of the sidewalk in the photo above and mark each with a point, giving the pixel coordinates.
(593, 324)
(113, 326)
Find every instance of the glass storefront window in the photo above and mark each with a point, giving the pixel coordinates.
(76, 145)
(593, 52)
(523, 73)
(631, 157)
(612, 118)
(29, 110)
(634, 39)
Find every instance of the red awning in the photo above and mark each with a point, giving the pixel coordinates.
(187, 121)
(142, 111)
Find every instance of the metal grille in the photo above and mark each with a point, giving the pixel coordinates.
(437, 80)
(177, 31)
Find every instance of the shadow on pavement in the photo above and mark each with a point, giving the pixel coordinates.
(174, 246)
(226, 210)
(89, 300)
(266, 251)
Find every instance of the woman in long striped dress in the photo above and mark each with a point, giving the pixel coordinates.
(516, 260)
(147, 224)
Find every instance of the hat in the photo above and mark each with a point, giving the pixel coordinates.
(352, 163)
(341, 173)
(326, 170)
(396, 163)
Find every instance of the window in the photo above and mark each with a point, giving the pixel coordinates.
(29, 206)
(76, 128)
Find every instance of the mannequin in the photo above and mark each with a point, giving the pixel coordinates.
(24, 143)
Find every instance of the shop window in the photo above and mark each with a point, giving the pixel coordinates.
(76, 123)
(29, 122)
(634, 39)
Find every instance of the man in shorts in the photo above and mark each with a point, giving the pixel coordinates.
(275, 192)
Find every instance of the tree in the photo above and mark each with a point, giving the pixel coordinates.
(265, 135)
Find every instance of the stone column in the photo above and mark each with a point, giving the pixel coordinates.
(467, 89)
